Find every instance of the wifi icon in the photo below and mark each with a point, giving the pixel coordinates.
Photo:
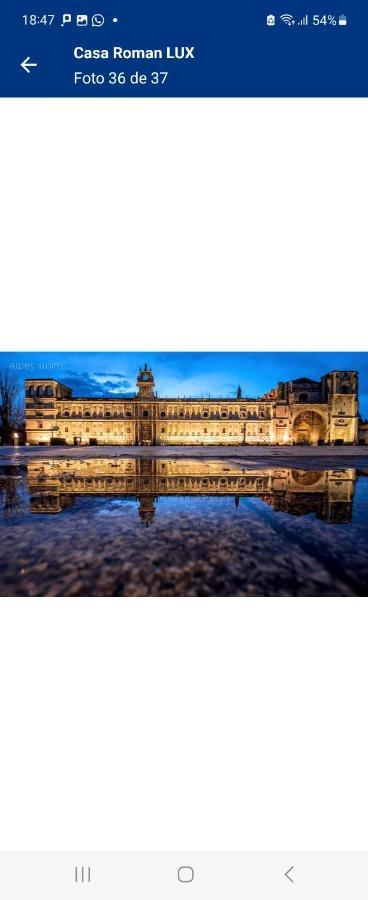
(287, 19)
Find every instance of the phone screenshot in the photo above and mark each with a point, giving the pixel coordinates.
(183, 451)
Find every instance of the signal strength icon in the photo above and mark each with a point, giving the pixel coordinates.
(287, 19)
(303, 21)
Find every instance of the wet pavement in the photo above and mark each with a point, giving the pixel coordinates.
(148, 524)
(300, 456)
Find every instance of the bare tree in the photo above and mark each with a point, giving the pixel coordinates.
(11, 405)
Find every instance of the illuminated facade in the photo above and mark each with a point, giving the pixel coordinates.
(54, 484)
(302, 411)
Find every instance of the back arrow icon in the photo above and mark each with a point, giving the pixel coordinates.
(287, 874)
(27, 64)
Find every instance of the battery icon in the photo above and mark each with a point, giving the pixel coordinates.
(343, 20)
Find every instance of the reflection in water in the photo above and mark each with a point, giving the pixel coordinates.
(13, 489)
(55, 483)
(74, 528)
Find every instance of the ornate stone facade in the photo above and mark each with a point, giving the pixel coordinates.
(295, 412)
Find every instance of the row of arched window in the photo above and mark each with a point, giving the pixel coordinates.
(40, 391)
(107, 414)
(245, 414)
(87, 414)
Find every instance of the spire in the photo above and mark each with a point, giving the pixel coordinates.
(239, 393)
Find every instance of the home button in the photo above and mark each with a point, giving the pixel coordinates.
(185, 873)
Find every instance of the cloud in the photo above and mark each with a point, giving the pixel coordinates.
(116, 385)
(109, 375)
(85, 384)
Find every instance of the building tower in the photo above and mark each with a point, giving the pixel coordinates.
(340, 391)
(145, 382)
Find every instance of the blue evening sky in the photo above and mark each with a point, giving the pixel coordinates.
(184, 374)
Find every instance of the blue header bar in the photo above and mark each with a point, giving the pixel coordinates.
(185, 48)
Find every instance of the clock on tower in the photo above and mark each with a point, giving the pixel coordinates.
(145, 382)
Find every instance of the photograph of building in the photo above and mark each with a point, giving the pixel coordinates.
(300, 411)
(188, 474)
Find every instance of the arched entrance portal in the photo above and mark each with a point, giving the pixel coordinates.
(306, 479)
(309, 428)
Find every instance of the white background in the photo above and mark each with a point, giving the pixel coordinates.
(166, 723)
